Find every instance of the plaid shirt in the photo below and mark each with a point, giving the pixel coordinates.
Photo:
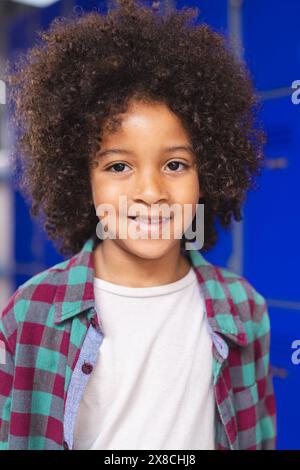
(51, 336)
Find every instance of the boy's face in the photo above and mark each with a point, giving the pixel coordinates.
(149, 176)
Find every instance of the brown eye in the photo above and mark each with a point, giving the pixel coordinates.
(118, 166)
(175, 163)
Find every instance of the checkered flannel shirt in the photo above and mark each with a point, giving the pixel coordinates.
(51, 335)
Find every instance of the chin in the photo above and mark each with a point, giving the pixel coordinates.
(149, 248)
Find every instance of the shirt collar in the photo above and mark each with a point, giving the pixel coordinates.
(75, 292)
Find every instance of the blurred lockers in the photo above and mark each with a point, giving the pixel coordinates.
(263, 248)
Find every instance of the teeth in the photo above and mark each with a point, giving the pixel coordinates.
(148, 221)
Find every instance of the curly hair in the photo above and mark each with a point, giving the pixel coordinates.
(81, 74)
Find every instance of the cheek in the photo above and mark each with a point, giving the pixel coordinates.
(106, 191)
(188, 192)
(194, 190)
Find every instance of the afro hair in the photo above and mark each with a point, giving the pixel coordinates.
(82, 72)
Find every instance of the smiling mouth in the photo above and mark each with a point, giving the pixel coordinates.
(149, 221)
(145, 225)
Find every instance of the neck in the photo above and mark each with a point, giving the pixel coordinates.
(108, 257)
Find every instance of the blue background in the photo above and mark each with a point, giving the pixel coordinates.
(270, 34)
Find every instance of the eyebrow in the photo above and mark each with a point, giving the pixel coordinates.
(187, 148)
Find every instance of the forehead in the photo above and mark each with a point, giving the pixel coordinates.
(145, 120)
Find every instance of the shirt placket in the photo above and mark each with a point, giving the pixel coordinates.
(222, 394)
(80, 376)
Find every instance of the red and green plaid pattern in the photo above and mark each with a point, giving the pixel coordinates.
(44, 326)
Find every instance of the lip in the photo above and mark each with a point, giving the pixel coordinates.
(149, 216)
(148, 221)
(143, 225)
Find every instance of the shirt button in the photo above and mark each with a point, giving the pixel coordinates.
(65, 445)
(87, 368)
(93, 322)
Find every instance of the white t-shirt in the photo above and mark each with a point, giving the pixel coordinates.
(152, 384)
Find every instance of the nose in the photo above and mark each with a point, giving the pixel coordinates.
(149, 187)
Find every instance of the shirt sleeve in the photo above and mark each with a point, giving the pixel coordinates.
(266, 419)
(8, 333)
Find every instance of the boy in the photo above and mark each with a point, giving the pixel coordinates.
(135, 342)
